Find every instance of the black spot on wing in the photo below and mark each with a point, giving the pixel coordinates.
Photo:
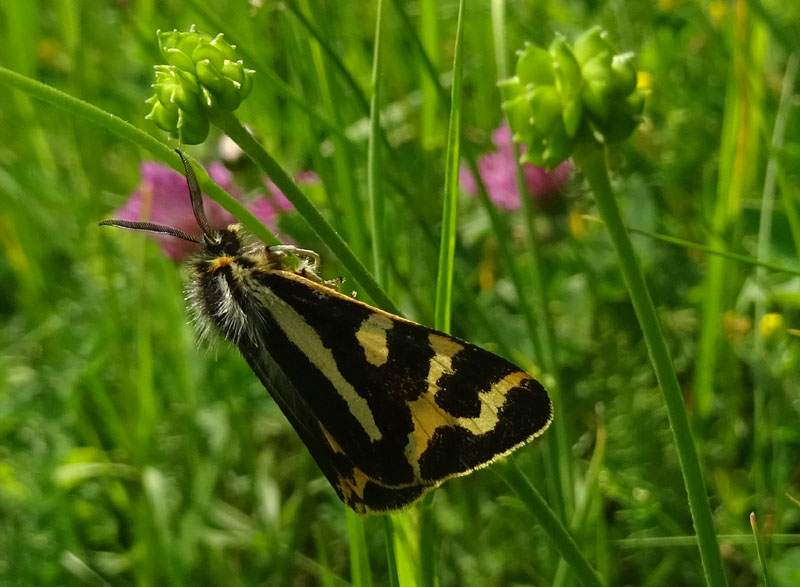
(474, 370)
(454, 450)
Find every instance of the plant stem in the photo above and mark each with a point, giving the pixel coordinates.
(762, 557)
(447, 247)
(374, 167)
(590, 158)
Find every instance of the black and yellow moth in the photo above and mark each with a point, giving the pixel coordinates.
(388, 408)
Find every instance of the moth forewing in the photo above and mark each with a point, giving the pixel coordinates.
(387, 407)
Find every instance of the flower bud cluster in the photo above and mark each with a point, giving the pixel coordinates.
(202, 74)
(561, 94)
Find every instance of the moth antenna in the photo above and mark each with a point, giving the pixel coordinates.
(150, 227)
(196, 196)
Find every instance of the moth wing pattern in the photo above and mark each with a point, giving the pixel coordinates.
(396, 408)
(351, 485)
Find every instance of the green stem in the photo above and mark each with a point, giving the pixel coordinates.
(444, 280)
(558, 534)
(229, 124)
(670, 542)
(762, 557)
(391, 555)
(374, 167)
(138, 137)
(673, 240)
(427, 540)
(590, 158)
(360, 571)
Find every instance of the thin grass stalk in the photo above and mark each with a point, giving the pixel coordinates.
(690, 541)
(374, 162)
(583, 507)
(427, 542)
(686, 244)
(762, 557)
(391, 556)
(406, 547)
(430, 41)
(228, 123)
(360, 572)
(590, 158)
(559, 536)
(444, 280)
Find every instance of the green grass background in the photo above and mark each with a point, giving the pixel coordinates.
(129, 456)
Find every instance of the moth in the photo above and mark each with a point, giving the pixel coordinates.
(388, 408)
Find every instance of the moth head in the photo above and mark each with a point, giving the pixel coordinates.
(223, 241)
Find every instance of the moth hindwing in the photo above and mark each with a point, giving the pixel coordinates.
(388, 408)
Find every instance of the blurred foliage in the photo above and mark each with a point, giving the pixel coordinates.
(130, 456)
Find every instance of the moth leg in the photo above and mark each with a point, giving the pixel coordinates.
(311, 262)
(285, 250)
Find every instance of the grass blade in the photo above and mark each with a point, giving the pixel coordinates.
(444, 281)
(591, 160)
(374, 164)
(360, 573)
(762, 559)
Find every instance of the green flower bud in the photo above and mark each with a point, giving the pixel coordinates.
(535, 66)
(164, 118)
(623, 74)
(536, 117)
(569, 93)
(592, 43)
(518, 109)
(191, 129)
(202, 74)
(175, 88)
